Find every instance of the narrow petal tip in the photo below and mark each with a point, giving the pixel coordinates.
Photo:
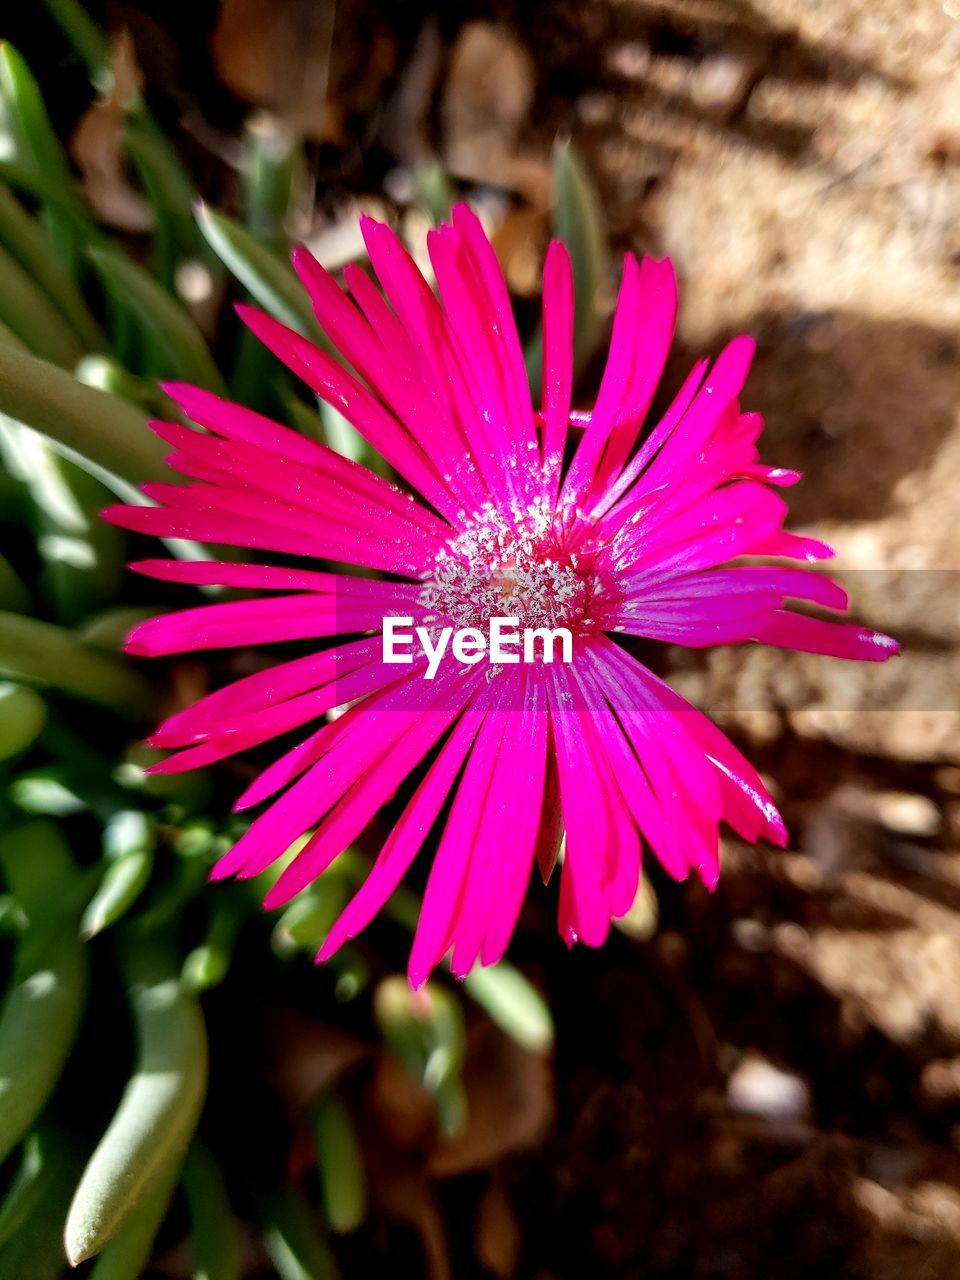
(777, 832)
(274, 897)
(117, 513)
(178, 391)
(136, 647)
(250, 315)
(331, 944)
(885, 645)
(144, 567)
(871, 646)
(153, 490)
(145, 639)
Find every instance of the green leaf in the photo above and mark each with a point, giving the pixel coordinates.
(14, 596)
(12, 921)
(169, 191)
(32, 143)
(127, 1254)
(425, 1030)
(188, 790)
(352, 972)
(215, 1245)
(81, 555)
(32, 317)
(109, 629)
(102, 433)
(124, 879)
(301, 417)
(340, 1162)
(129, 831)
(144, 1145)
(82, 32)
(297, 1249)
(42, 653)
(208, 964)
(35, 1250)
(513, 1003)
(107, 374)
(25, 117)
(308, 919)
(22, 1195)
(47, 988)
(78, 780)
(36, 862)
(153, 156)
(271, 172)
(14, 503)
(271, 282)
(344, 438)
(255, 379)
(339, 433)
(63, 199)
(434, 189)
(23, 713)
(579, 221)
(640, 922)
(174, 895)
(25, 240)
(275, 287)
(177, 343)
(47, 791)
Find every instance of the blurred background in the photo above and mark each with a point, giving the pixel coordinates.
(761, 1083)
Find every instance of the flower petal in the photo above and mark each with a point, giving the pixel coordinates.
(410, 831)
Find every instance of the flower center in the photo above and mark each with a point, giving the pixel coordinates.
(491, 569)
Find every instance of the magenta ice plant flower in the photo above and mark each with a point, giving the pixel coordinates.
(504, 509)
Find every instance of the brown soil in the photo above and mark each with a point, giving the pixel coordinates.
(799, 163)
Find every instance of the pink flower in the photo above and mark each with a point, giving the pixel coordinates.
(619, 541)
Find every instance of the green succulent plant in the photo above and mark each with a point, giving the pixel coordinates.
(123, 969)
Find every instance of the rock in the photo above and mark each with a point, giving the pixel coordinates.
(908, 815)
(486, 102)
(722, 84)
(757, 1088)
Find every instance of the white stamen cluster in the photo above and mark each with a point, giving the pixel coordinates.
(493, 568)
